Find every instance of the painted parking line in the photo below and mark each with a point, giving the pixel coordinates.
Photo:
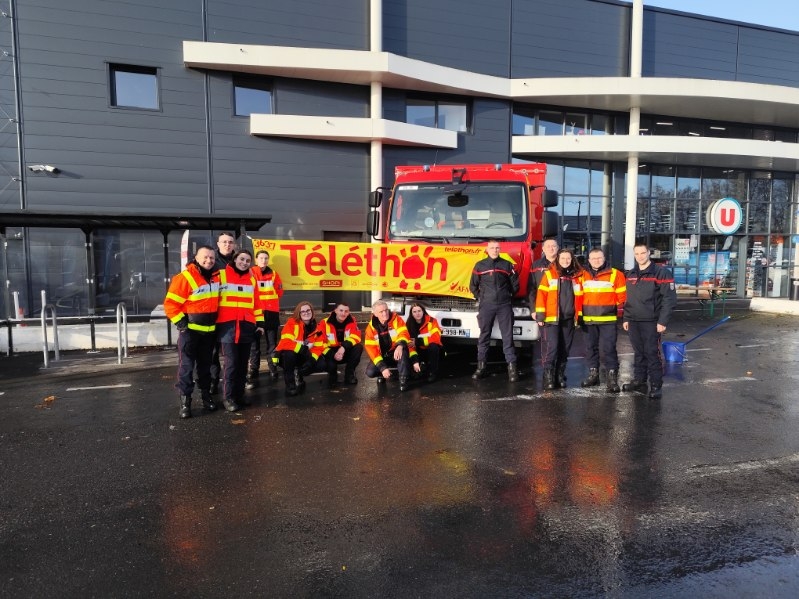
(709, 470)
(738, 379)
(120, 386)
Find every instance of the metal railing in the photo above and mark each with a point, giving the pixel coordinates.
(45, 349)
(122, 323)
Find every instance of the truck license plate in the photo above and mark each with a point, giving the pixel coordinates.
(449, 332)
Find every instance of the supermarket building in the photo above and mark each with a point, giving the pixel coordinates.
(129, 123)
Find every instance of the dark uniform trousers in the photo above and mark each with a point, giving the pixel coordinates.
(403, 366)
(648, 361)
(235, 356)
(194, 349)
(352, 356)
(602, 341)
(270, 336)
(486, 316)
(556, 342)
(430, 355)
(301, 362)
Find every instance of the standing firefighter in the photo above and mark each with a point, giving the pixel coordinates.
(493, 284)
(604, 294)
(651, 298)
(270, 290)
(191, 304)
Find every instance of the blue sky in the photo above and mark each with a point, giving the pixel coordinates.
(772, 13)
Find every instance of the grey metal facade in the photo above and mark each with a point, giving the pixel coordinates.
(194, 156)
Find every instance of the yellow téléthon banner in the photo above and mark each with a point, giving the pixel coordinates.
(407, 267)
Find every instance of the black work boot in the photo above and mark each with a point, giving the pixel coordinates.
(432, 376)
(214, 387)
(349, 378)
(593, 378)
(549, 379)
(252, 380)
(513, 374)
(332, 380)
(656, 392)
(480, 372)
(185, 406)
(561, 376)
(613, 381)
(635, 386)
(403, 383)
(299, 381)
(273, 371)
(230, 404)
(208, 401)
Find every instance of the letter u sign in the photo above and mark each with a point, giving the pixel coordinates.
(724, 216)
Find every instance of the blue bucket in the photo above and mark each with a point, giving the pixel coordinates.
(674, 351)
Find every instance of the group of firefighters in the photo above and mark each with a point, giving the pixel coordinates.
(566, 296)
(224, 305)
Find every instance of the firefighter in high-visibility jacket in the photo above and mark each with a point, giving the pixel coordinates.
(300, 348)
(191, 304)
(387, 343)
(270, 290)
(558, 308)
(343, 344)
(238, 324)
(425, 334)
(604, 294)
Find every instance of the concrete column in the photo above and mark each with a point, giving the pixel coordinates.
(376, 105)
(631, 197)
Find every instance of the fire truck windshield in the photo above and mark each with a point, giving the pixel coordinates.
(477, 211)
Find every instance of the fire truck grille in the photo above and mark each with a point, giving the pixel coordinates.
(451, 303)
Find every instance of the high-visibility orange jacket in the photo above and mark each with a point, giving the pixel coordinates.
(397, 333)
(193, 297)
(238, 311)
(547, 306)
(352, 334)
(270, 288)
(604, 293)
(429, 333)
(293, 338)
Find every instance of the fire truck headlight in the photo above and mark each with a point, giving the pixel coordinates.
(521, 312)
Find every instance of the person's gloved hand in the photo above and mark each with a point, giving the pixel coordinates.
(183, 324)
(580, 322)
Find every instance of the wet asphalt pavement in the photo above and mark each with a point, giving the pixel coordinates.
(454, 489)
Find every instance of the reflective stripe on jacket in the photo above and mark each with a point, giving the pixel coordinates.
(603, 294)
(237, 303)
(270, 289)
(192, 296)
(429, 333)
(547, 306)
(293, 338)
(352, 334)
(397, 331)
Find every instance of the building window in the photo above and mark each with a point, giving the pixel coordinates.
(134, 87)
(453, 116)
(251, 97)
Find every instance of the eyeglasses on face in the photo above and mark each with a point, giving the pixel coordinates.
(306, 311)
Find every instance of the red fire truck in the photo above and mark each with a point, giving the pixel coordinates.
(468, 204)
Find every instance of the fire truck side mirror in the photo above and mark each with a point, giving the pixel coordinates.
(549, 198)
(549, 224)
(376, 198)
(373, 224)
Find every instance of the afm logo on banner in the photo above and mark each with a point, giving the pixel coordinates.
(724, 216)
